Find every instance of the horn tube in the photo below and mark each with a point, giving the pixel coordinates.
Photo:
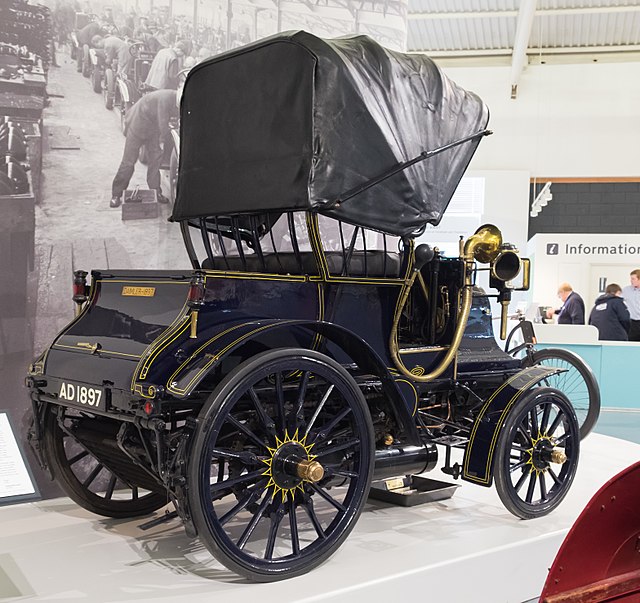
(484, 245)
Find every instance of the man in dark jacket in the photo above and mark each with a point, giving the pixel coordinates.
(572, 310)
(147, 123)
(610, 315)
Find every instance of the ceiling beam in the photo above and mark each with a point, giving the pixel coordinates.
(532, 52)
(543, 12)
(521, 42)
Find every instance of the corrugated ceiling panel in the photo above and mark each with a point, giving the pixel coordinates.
(458, 6)
(461, 34)
(596, 29)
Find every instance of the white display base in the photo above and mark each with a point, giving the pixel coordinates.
(466, 549)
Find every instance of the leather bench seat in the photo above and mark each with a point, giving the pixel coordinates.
(378, 264)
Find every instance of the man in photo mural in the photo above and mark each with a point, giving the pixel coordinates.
(572, 310)
(631, 294)
(146, 123)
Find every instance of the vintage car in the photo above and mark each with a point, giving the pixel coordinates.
(312, 346)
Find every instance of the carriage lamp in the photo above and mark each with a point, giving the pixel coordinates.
(79, 289)
(195, 300)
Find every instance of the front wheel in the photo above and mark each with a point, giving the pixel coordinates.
(577, 382)
(537, 453)
(281, 465)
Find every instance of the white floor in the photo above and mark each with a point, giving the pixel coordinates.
(468, 549)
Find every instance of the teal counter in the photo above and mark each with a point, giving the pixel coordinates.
(616, 366)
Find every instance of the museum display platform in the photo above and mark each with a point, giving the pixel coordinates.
(464, 549)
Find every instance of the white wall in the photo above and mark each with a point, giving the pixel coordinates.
(577, 120)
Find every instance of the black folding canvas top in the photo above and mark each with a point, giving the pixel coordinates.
(294, 121)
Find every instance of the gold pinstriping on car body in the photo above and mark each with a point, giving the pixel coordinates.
(200, 349)
(499, 423)
(254, 276)
(101, 350)
(179, 329)
(92, 294)
(220, 353)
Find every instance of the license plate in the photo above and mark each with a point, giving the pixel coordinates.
(81, 395)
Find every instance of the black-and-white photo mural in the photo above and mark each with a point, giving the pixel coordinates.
(89, 144)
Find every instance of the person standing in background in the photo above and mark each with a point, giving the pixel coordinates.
(610, 315)
(631, 294)
(146, 123)
(572, 310)
(163, 74)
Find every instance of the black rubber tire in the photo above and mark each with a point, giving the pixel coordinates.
(343, 436)
(61, 459)
(96, 80)
(109, 88)
(518, 453)
(578, 383)
(173, 175)
(86, 61)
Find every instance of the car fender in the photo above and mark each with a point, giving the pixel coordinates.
(208, 356)
(479, 453)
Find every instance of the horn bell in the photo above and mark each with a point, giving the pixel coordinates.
(488, 243)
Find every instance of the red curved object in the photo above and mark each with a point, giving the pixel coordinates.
(599, 559)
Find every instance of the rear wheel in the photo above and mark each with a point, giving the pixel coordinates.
(71, 439)
(577, 382)
(281, 465)
(537, 453)
(109, 88)
(96, 80)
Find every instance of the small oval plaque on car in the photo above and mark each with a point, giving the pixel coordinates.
(139, 291)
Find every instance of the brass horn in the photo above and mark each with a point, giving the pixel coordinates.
(484, 245)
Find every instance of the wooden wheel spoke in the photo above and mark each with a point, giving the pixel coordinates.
(555, 424)
(517, 466)
(247, 458)
(531, 487)
(111, 486)
(73, 460)
(92, 476)
(276, 518)
(535, 429)
(293, 524)
(244, 538)
(521, 481)
(554, 477)
(335, 470)
(543, 487)
(545, 418)
(302, 390)
(280, 401)
(265, 419)
(244, 429)
(308, 506)
(249, 497)
(352, 443)
(234, 481)
(324, 494)
(325, 431)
